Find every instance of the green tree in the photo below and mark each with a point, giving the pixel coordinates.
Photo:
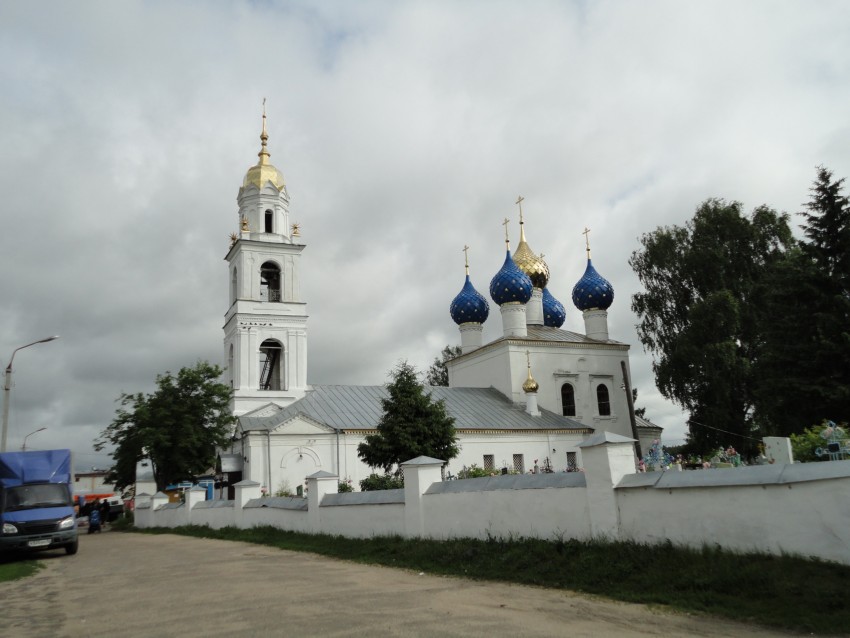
(699, 313)
(804, 369)
(438, 374)
(641, 412)
(178, 427)
(412, 425)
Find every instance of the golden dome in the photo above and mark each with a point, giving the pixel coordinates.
(263, 171)
(529, 263)
(530, 386)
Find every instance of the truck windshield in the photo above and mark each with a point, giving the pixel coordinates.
(27, 497)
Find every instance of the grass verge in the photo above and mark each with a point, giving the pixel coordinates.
(777, 591)
(14, 568)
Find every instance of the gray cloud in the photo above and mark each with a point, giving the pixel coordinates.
(404, 130)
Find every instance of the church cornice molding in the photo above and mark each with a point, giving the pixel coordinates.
(270, 321)
(526, 343)
(536, 431)
(256, 246)
(573, 345)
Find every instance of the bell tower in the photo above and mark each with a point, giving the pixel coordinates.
(265, 327)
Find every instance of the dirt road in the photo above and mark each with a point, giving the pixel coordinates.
(131, 585)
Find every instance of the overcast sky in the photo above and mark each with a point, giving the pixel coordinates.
(404, 130)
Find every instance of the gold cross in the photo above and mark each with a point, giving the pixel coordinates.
(528, 358)
(466, 257)
(586, 234)
(518, 202)
(505, 224)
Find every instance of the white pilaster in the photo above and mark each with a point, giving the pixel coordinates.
(318, 485)
(419, 474)
(513, 320)
(470, 336)
(534, 308)
(596, 324)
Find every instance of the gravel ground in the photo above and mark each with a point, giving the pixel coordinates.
(162, 585)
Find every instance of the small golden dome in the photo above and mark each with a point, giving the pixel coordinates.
(263, 171)
(532, 265)
(530, 386)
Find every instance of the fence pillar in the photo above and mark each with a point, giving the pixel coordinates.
(157, 500)
(142, 511)
(607, 458)
(419, 474)
(318, 485)
(193, 495)
(244, 491)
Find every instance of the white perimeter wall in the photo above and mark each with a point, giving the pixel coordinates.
(798, 509)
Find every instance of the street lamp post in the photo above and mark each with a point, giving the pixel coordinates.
(24, 446)
(7, 389)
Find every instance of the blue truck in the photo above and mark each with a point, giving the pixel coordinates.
(36, 503)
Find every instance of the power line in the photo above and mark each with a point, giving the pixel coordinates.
(743, 436)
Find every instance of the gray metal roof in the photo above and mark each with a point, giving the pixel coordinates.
(358, 407)
(547, 333)
(214, 504)
(510, 482)
(279, 502)
(230, 462)
(776, 474)
(375, 497)
(601, 438)
(646, 423)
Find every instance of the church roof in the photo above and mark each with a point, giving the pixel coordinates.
(358, 407)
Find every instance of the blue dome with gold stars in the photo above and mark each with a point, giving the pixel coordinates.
(554, 314)
(510, 285)
(469, 306)
(593, 291)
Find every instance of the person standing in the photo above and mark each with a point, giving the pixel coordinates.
(104, 512)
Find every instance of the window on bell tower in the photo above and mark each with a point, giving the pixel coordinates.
(271, 363)
(270, 282)
(269, 225)
(568, 400)
(230, 369)
(233, 284)
(603, 400)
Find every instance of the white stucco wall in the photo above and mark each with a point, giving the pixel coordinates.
(538, 513)
(809, 519)
(363, 521)
(298, 450)
(292, 520)
(583, 365)
(801, 509)
(214, 517)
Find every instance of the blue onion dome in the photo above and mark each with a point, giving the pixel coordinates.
(469, 306)
(529, 263)
(554, 314)
(510, 284)
(593, 291)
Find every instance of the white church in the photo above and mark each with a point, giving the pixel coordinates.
(523, 400)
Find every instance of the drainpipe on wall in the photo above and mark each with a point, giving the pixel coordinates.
(338, 469)
(631, 403)
(269, 459)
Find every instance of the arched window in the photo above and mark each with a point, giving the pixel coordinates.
(603, 400)
(270, 282)
(233, 286)
(568, 400)
(271, 364)
(230, 365)
(269, 222)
